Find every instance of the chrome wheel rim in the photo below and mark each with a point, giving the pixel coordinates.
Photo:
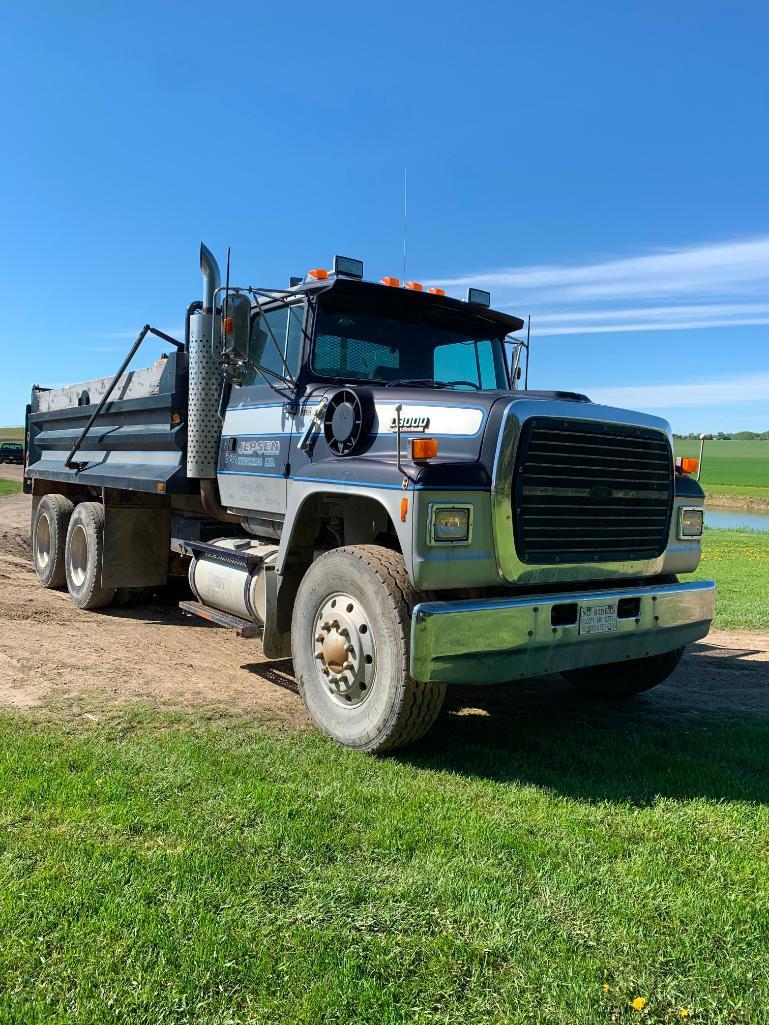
(43, 542)
(78, 556)
(344, 652)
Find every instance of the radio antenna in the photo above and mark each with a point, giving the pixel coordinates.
(227, 278)
(528, 343)
(405, 222)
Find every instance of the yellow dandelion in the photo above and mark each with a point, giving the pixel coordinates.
(638, 1003)
(605, 987)
(684, 1012)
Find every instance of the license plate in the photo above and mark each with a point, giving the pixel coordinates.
(598, 619)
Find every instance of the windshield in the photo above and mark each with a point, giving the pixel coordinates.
(355, 346)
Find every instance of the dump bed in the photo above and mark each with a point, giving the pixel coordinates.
(138, 441)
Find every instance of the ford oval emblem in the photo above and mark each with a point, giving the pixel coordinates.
(601, 493)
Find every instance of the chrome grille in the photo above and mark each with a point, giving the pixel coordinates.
(586, 492)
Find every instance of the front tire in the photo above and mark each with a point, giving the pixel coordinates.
(83, 557)
(619, 680)
(350, 636)
(49, 536)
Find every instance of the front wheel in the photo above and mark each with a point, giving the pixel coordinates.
(625, 679)
(350, 636)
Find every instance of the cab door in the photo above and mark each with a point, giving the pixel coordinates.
(256, 434)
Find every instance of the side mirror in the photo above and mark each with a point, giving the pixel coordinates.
(236, 323)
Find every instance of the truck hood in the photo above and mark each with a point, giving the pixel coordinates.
(466, 424)
(463, 421)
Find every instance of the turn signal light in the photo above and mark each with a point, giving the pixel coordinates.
(413, 285)
(318, 274)
(437, 291)
(423, 449)
(392, 282)
(687, 465)
(404, 509)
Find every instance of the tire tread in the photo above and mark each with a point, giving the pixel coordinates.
(422, 701)
(95, 596)
(413, 715)
(61, 509)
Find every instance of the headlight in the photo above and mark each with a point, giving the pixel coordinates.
(690, 522)
(450, 524)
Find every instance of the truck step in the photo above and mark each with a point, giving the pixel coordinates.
(242, 627)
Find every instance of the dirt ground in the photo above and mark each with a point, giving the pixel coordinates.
(61, 661)
(10, 471)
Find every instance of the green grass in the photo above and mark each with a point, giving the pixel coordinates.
(738, 560)
(12, 434)
(8, 487)
(732, 467)
(158, 871)
(737, 490)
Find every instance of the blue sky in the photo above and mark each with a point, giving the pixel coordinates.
(603, 166)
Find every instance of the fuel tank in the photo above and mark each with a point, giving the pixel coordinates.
(229, 581)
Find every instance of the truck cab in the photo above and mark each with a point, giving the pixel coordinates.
(350, 469)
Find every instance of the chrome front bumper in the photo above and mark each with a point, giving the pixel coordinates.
(499, 640)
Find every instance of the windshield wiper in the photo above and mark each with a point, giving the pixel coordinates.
(417, 381)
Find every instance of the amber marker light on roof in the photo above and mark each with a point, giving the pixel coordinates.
(318, 274)
(423, 449)
(392, 282)
(436, 291)
(413, 285)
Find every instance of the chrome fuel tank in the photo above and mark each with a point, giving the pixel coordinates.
(232, 584)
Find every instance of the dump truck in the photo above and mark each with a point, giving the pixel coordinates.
(353, 473)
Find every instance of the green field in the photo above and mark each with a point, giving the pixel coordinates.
(738, 560)
(12, 434)
(732, 467)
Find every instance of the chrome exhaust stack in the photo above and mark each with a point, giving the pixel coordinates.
(205, 377)
(211, 277)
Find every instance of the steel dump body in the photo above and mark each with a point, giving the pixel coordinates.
(138, 443)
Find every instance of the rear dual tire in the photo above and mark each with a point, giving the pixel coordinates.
(83, 557)
(49, 537)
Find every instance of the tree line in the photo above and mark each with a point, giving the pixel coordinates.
(723, 436)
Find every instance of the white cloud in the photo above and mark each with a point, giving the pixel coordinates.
(718, 269)
(645, 325)
(693, 393)
(715, 285)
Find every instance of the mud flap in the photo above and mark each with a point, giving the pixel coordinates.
(136, 545)
(276, 643)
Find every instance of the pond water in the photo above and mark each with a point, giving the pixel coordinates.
(733, 519)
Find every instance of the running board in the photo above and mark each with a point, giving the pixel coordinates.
(242, 627)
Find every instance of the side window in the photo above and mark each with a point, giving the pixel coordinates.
(286, 326)
(294, 339)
